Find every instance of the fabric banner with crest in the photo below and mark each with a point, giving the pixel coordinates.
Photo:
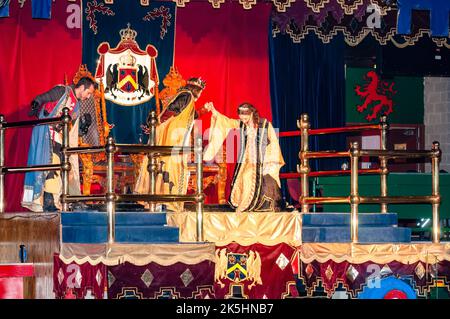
(129, 48)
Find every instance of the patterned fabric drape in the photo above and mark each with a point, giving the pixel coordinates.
(376, 271)
(356, 19)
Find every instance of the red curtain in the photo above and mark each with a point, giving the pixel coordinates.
(228, 47)
(35, 55)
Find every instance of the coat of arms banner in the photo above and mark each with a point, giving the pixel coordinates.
(128, 47)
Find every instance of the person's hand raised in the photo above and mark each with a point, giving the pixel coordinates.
(209, 107)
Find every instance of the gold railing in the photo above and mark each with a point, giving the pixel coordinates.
(110, 197)
(354, 153)
(64, 119)
(153, 151)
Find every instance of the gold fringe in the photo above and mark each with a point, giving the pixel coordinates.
(137, 254)
(377, 253)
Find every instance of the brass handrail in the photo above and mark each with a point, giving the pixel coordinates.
(333, 130)
(64, 119)
(354, 154)
(156, 150)
(365, 171)
(153, 151)
(110, 197)
(21, 124)
(32, 168)
(325, 154)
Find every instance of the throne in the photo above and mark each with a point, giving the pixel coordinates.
(214, 174)
(93, 166)
(127, 166)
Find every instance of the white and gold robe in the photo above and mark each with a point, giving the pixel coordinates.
(175, 131)
(256, 182)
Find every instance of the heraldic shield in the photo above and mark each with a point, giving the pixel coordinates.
(128, 73)
(238, 267)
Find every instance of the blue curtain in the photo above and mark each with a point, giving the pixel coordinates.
(308, 77)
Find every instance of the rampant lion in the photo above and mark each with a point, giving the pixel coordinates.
(375, 91)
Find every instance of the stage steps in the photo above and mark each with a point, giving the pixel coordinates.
(335, 228)
(85, 227)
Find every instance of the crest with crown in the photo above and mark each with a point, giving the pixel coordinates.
(128, 34)
(127, 60)
(198, 82)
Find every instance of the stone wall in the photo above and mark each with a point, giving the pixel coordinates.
(437, 117)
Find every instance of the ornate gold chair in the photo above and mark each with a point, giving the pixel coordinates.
(215, 174)
(93, 166)
(127, 166)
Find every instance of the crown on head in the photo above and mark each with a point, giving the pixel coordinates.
(128, 33)
(198, 82)
(243, 110)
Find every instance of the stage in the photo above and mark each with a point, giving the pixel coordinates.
(250, 255)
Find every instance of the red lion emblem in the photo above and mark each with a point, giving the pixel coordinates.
(375, 91)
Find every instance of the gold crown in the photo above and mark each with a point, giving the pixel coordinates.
(128, 33)
(198, 82)
(127, 60)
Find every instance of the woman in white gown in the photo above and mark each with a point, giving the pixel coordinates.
(256, 183)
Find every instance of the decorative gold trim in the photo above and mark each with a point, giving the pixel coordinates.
(286, 292)
(137, 254)
(354, 40)
(282, 6)
(247, 4)
(230, 291)
(438, 282)
(349, 9)
(316, 283)
(109, 1)
(145, 3)
(181, 3)
(440, 42)
(315, 7)
(88, 171)
(345, 285)
(275, 31)
(208, 289)
(411, 40)
(216, 3)
(377, 253)
(271, 204)
(132, 289)
(161, 291)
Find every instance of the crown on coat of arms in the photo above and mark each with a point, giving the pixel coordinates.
(127, 60)
(198, 82)
(128, 33)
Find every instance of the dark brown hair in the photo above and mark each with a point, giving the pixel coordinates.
(251, 109)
